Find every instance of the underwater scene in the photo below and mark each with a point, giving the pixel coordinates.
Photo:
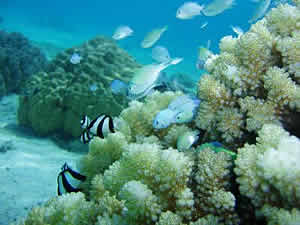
(161, 112)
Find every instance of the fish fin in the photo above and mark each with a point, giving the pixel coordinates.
(208, 44)
(76, 175)
(175, 61)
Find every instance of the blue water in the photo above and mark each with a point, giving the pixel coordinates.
(70, 22)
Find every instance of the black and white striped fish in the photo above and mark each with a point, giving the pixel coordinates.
(85, 137)
(100, 126)
(68, 180)
(84, 122)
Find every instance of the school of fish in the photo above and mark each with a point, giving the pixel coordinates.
(149, 77)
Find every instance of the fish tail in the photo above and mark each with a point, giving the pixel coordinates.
(175, 61)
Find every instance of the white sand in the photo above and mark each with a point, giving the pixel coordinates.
(28, 172)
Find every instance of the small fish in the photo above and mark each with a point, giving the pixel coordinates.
(100, 126)
(118, 87)
(164, 118)
(86, 137)
(84, 122)
(217, 147)
(187, 140)
(181, 110)
(75, 58)
(216, 144)
(93, 87)
(160, 54)
(260, 10)
(146, 78)
(152, 37)
(237, 30)
(203, 25)
(189, 10)
(203, 54)
(68, 180)
(217, 7)
(122, 32)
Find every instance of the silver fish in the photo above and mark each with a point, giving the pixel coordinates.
(146, 78)
(187, 140)
(152, 37)
(217, 7)
(189, 10)
(260, 11)
(161, 54)
(122, 32)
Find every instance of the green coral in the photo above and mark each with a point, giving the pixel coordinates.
(281, 216)
(254, 80)
(62, 95)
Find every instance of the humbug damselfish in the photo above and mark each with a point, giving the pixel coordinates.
(100, 127)
(68, 180)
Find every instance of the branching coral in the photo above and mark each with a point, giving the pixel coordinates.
(137, 176)
(269, 172)
(139, 116)
(102, 153)
(254, 80)
(70, 209)
(281, 216)
(212, 180)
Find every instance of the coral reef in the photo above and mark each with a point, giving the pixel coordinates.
(19, 59)
(54, 99)
(268, 172)
(136, 180)
(137, 175)
(254, 80)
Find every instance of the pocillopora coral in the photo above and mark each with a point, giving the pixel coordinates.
(254, 80)
(211, 178)
(269, 171)
(281, 216)
(136, 176)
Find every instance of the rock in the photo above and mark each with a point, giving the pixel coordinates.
(19, 59)
(55, 100)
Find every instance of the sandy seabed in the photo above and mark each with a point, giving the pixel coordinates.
(29, 165)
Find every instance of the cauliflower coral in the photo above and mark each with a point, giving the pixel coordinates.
(254, 80)
(137, 176)
(269, 171)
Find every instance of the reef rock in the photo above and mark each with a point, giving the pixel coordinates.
(55, 100)
(19, 59)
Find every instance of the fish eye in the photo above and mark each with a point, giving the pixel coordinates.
(178, 117)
